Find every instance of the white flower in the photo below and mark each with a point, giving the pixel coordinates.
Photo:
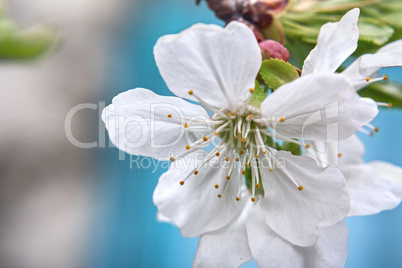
(217, 68)
(337, 41)
(375, 186)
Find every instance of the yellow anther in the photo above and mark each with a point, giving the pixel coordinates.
(389, 105)
(368, 79)
(237, 159)
(264, 152)
(188, 147)
(205, 139)
(216, 133)
(243, 172)
(385, 77)
(227, 158)
(252, 199)
(257, 186)
(190, 92)
(196, 172)
(182, 183)
(228, 177)
(235, 137)
(228, 114)
(238, 132)
(216, 186)
(237, 199)
(251, 90)
(307, 146)
(256, 156)
(340, 155)
(185, 125)
(376, 129)
(246, 164)
(250, 117)
(241, 152)
(244, 148)
(300, 188)
(172, 159)
(282, 119)
(219, 196)
(270, 170)
(170, 115)
(218, 153)
(243, 139)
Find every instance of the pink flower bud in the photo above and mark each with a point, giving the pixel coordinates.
(272, 49)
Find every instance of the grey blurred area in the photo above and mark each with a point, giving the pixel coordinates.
(46, 188)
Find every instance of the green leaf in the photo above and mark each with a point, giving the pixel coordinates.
(384, 92)
(372, 30)
(259, 95)
(276, 72)
(18, 44)
(294, 148)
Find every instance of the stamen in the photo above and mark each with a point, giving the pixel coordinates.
(205, 138)
(252, 199)
(340, 155)
(282, 119)
(292, 179)
(196, 172)
(385, 77)
(169, 115)
(216, 186)
(219, 196)
(172, 159)
(385, 104)
(245, 103)
(188, 147)
(186, 125)
(251, 90)
(182, 183)
(368, 79)
(205, 104)
(373, 128)
(369, 133)
(237, 198)
(216, 132)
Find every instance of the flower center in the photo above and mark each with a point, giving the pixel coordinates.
(240, 138)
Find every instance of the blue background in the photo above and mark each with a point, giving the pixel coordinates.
(125, 232)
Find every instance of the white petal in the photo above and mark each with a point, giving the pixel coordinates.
(270, 250)
(226, 247)
(137, 122)
(346, 152)
(294, 214)
(219, 65)
(336, 42)
(331, 249)
(267, 247)
(318, 107)
(373, 187)
(351, 151)
(369, 64)
(195, 207)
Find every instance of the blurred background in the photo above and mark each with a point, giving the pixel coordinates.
(64, 206)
